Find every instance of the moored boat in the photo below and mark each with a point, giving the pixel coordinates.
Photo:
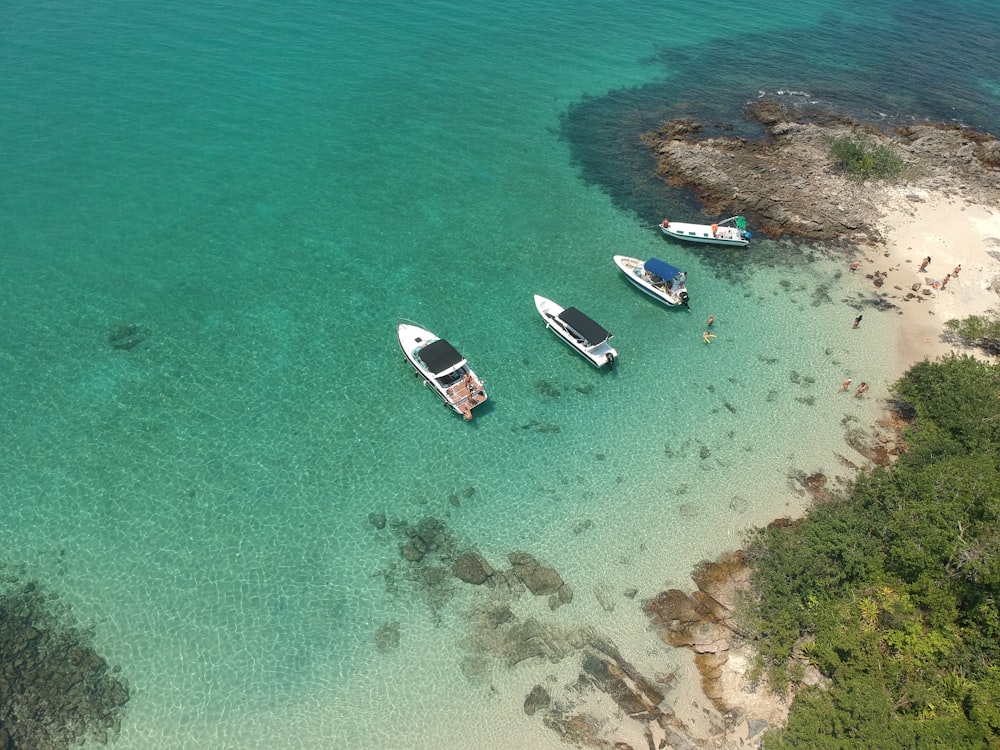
(443, 369)
(732, 232)
(656, 278)
(579, 331)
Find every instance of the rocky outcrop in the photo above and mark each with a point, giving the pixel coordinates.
(595, 698)
(704, 620)
(789, 184)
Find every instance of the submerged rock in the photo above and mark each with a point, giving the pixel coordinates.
(127, 336)
(56, 691)
(537, 698)
(539, 579)
(472, 567)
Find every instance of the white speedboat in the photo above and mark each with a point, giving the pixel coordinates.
(579, 331)
(661, 280)
(732, 232)
(443, 369)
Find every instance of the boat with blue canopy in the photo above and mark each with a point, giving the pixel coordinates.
(657, 278)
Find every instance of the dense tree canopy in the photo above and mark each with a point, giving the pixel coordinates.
(893, 591)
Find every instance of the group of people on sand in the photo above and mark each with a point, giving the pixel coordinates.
(939, 285)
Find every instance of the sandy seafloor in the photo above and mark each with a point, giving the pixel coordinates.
(262, 193)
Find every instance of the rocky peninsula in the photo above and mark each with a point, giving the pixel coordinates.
(788, 182)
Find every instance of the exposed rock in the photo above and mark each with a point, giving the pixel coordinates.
(703, 620)
(814, 484)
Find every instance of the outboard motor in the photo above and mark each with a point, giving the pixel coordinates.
(611, 361)
(684, 299)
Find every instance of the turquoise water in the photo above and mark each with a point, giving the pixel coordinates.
(262, 192)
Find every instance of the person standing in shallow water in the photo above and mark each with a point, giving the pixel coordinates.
(862, 389)
(857, 321)
(923, 264)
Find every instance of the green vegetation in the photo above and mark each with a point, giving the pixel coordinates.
(861, 158)
(983, 332)
(893, 591)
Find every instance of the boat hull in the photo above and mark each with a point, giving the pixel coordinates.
(598, 355)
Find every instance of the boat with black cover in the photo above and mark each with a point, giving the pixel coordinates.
(579, 331)
(443, 369)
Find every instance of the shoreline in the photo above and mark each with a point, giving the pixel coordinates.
(914, 222)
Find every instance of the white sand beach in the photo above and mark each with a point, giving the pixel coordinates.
(953, 232)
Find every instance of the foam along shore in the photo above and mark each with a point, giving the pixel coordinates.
(952, 231)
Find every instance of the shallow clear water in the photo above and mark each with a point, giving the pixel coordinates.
(263, 192)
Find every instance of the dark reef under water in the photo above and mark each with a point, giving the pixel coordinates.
(923, 62)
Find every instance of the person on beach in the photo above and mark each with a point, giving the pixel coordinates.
(923, 264)
(711, 319)
(957, 269)
(862, 389)
(945, 282)
(857, 321)
(846, 384)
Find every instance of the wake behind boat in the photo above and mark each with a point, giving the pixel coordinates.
(660, 280)
(732, 232)
(443, 369)
(579, 331)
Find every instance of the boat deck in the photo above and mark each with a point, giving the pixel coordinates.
(466, 395)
